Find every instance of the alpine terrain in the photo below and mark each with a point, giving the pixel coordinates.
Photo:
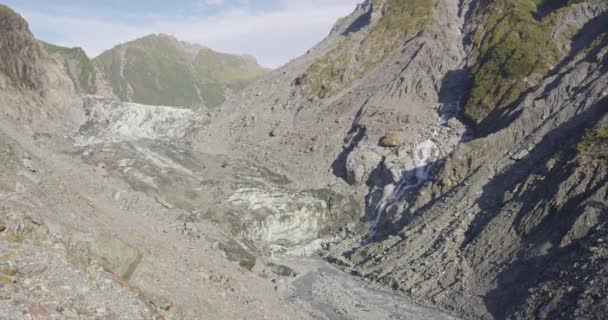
(428, 159)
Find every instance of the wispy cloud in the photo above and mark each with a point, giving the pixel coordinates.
(274, 36)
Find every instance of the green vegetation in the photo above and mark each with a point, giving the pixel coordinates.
(402, 19)
(599, 40)
(10, 20)
(160, 70)
(515, 50)
(77, 65)
(595, 143)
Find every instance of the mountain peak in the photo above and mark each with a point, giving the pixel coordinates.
(159, 69)
(11, 20)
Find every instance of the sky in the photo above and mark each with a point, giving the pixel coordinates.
(273, 31)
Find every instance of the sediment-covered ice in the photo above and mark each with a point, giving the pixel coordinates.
(113, 121)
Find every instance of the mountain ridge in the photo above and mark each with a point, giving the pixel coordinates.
(450, 153)
(177, 73)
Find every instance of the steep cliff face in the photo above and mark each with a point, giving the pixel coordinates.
(78, 66)
(32, 81)
(160, 70)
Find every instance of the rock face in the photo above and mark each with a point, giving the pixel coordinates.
(78, 66)
(32, 82)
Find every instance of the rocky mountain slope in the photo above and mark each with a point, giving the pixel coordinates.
(158, 70)
(161, 70)
(452, 153)
(504, 219)
(32, 81)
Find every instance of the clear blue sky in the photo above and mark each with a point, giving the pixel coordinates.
(274, 31)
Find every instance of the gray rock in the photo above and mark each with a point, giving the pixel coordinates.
(115, 255)
(281, 270)
(359, 165)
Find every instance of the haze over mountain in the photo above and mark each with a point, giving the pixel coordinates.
(161, 70)
(428, 159)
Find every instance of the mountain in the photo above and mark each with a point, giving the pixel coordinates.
(161, 70)
(32, 81)
(490, 201)
(451, 153)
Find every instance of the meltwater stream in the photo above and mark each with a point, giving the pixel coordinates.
(423, 155)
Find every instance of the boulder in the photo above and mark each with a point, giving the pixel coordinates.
(359, 165)
(455, 124)
(115, 255)
(283, 271)
(236, 253)
(392, 139)
(278, 131)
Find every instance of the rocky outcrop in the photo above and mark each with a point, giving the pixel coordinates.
(78, 66)
(20, 53)
(33, 83)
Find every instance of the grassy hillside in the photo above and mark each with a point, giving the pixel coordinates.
(515, 50)
(401, 18)
(160, 70)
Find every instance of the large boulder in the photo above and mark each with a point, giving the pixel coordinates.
(360, 164)
(115, 255)
(392, 139)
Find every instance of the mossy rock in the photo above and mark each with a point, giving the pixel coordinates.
(8, 270)
(115, 255)
(5, 279)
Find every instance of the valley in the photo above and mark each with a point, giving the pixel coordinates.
(428, 159)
